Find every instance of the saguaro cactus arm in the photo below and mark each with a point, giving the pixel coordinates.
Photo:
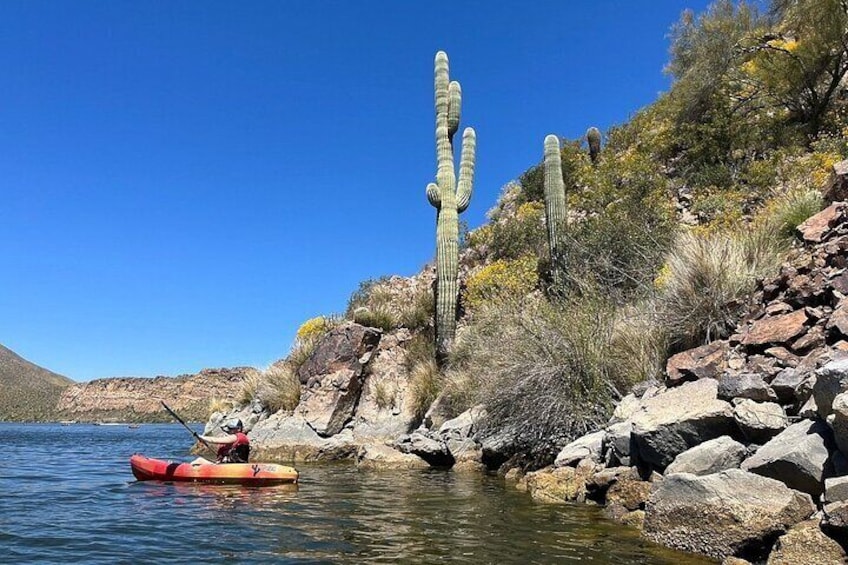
(466, 169)
(433, 195)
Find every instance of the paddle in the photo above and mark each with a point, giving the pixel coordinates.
(180, 420)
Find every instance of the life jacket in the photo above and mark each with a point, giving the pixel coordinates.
(236, 452)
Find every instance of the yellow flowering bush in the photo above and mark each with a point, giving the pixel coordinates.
(313, 328)
(516, 277)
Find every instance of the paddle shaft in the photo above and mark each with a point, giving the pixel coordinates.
(180, 420)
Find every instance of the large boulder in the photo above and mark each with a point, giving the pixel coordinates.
(678, 419)
(346, 347)
(728, 513)
(432, 450)
(289, 437)
(385, 409)
(458, 435)
(760, 421)
(806, 543)
(710, 457)
(587, 447)
(831, 380)
(798, 457)
(334, 375)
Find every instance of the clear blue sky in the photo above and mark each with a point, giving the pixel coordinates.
(184, 183)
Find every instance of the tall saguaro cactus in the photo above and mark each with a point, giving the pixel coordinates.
(450, 199)
(555, 209)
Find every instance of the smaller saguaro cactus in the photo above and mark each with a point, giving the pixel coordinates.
(593, 137)
(555, 209)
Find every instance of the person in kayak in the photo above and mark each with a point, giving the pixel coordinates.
(234, 447)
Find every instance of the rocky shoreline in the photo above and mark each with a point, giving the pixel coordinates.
(739, 454)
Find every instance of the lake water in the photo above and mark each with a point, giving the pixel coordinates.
(68, 496)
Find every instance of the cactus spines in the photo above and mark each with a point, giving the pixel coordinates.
(555, 209)
(593, 137)
(450, 199)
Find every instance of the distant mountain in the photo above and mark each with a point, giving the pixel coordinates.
(28, 392)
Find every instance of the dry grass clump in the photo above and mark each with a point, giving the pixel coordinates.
(280, 388)
(392, 302)
(217, 404)
(706, 279)
(542, 369)
(249, 388)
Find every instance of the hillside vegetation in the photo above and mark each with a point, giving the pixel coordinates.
(27, 392)
(667, 230)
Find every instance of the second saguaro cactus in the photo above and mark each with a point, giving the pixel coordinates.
(555, 209)
(450, 199)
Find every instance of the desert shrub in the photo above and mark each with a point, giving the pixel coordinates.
(501, 278)
(361, 296)
(639, 344)
(708, 277)
(384, 395)
(548, 372)
(393, 302)
(524, 232)
(279, 388)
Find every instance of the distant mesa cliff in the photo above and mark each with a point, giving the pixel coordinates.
(135, 399)
(27, 392)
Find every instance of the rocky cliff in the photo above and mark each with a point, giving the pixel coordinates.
(138, 399)
(27, 392)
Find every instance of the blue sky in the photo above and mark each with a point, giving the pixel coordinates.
(184, 183)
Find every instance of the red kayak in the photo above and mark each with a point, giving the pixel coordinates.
(257, 474)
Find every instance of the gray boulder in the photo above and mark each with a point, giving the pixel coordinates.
(724, 514)
(797, 457)
(838, 421)
(836, 490)
(587, 447)
(678, 419)
(458, 433)
(710, 457)
(785, 384)
(617, 444)
(431, 450)
(831, 380)
(625, 408)
(746, 385)
(760, 421)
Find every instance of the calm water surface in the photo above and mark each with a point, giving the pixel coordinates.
(68, 496)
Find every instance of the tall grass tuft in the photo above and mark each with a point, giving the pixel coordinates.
(707, 278)
(280, 388)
